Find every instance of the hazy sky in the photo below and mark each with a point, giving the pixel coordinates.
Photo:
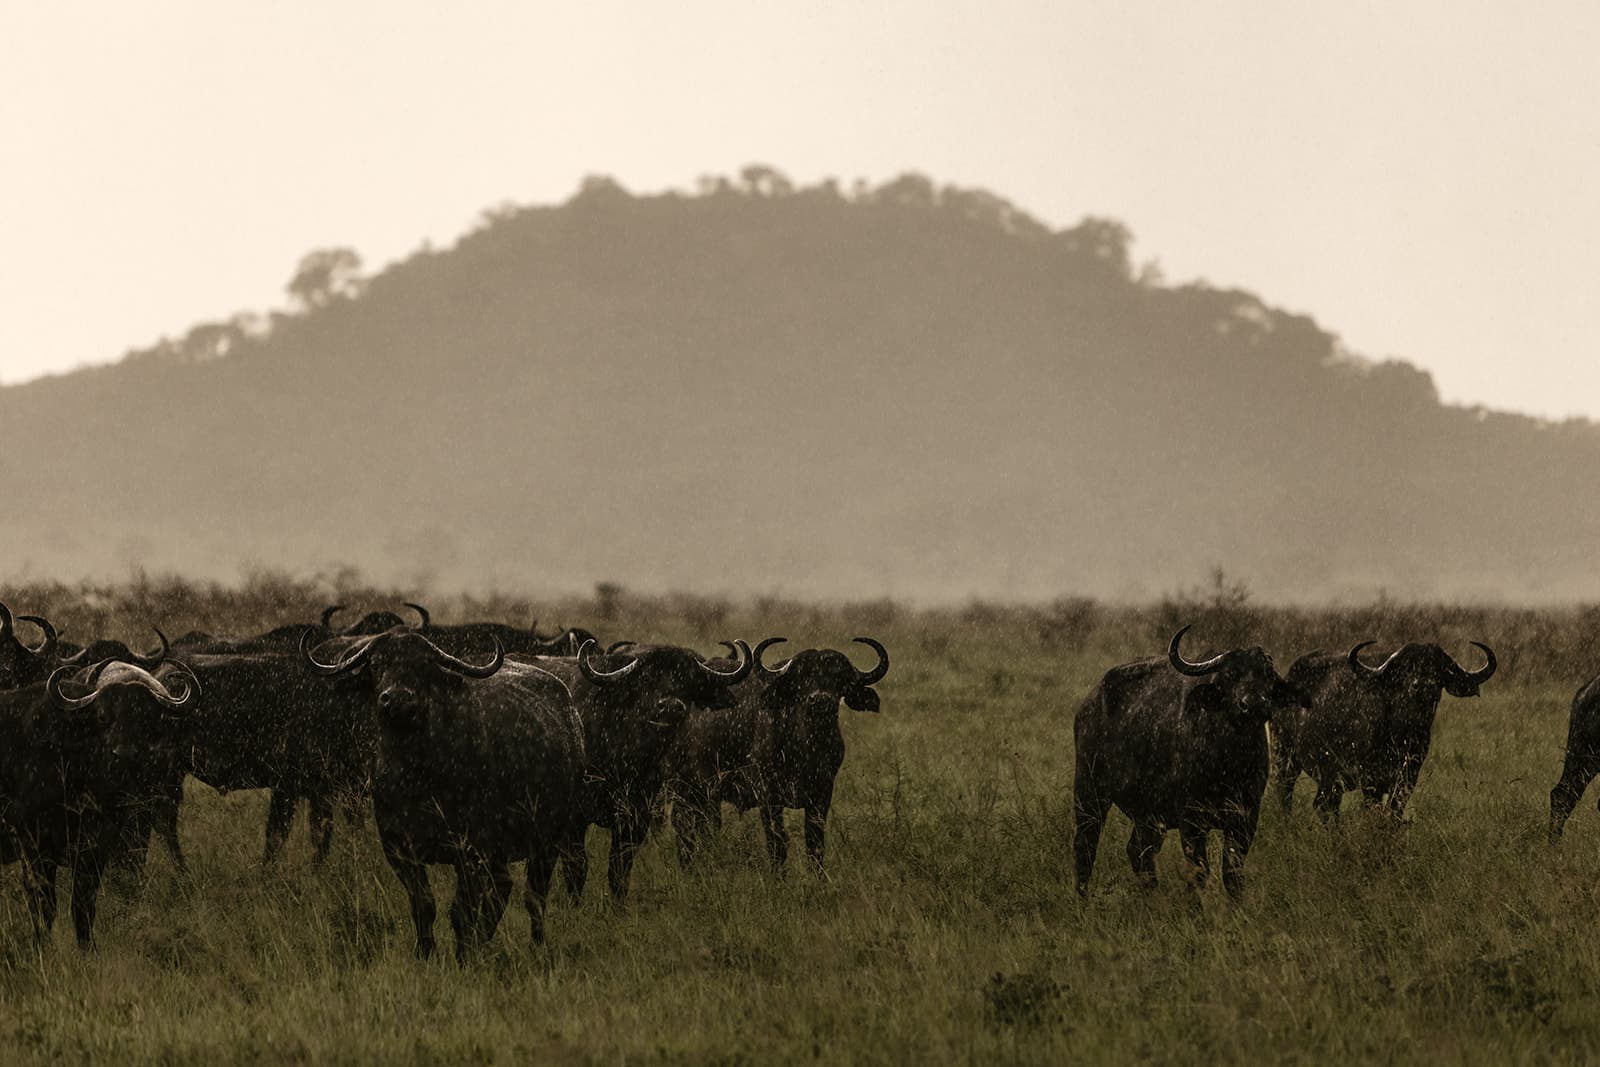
(1423, 178)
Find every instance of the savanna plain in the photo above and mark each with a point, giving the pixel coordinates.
(945, 927)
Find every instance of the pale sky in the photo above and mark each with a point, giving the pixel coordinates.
(1422, 178)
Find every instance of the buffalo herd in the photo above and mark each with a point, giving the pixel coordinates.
(477, 746)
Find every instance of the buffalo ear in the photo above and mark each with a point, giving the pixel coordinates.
(1457, 687)
(861, 698)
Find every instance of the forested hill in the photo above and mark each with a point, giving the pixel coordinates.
(899, 391)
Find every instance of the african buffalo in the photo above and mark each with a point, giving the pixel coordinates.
(1583, 757)
(632, 706)
(476, 767)
(778, 747)
(1365, 727)
(74, 767)
(264, 723)
(1178, 745)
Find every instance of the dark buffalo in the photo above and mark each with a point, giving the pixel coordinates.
(1177, 745)
(286, 639)
(632, 706)
(779, 747)
(72, 770)
(20, 665)
(1367, 728)
(476, 768)
(263, 723)
(105, 649)
(1583, 757)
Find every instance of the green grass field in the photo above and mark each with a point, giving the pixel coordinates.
(946, 929)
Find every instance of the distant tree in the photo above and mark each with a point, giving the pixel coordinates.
(762, 180)
(324, 276)
(1106, 240)
(600, 189)
(908, 190)
(713, 185)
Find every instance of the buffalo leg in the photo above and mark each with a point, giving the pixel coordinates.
(321, 819)
(1143, 844)
(1575, 778)
(1193, 838)
(541, 868)
(688, 825)
(575, 864)
(1287, 771)
(280, 814)
(414, 879)
(466, 910)
(817, 825)
(165, 818)
(627, 837)
(87, 869)
(1089, 818)
(1238, 832)
(777, 835)
(1405, 783)
(39, 881)
(492, 906)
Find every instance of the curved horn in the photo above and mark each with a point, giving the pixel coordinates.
(733, 649)
(618, 646)
(326, 619)
(191, 686)
(595, 674)
(49, 644)
(60, 699)
(1183, 666)
(422, 614)
(1361, 668)
(5, 621)
(151, 660)
(747, 663)
(461, 666)
(351, 660)
(767, 672)
(876, 674)
(1482, 674)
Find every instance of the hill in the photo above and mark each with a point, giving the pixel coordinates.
(905, 391)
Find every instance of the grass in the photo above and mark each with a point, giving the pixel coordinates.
(946, 929)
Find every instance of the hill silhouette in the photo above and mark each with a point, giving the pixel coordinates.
(906, 391)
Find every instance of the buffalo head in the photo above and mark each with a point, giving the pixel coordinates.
(409, 676)
(1242, 681)
(1422, 672)
(818, 679)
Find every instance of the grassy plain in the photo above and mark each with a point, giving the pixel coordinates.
(946, 929)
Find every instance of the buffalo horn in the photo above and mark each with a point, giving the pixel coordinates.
(1183, 666)
(1482, 674)
(739, 673)
(767, 672)
(876, 674)
(49, 644)
(348, 662)
(461, 666)
(595, 674)
(1361, 668)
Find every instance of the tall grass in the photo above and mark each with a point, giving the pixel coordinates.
(946, 928)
